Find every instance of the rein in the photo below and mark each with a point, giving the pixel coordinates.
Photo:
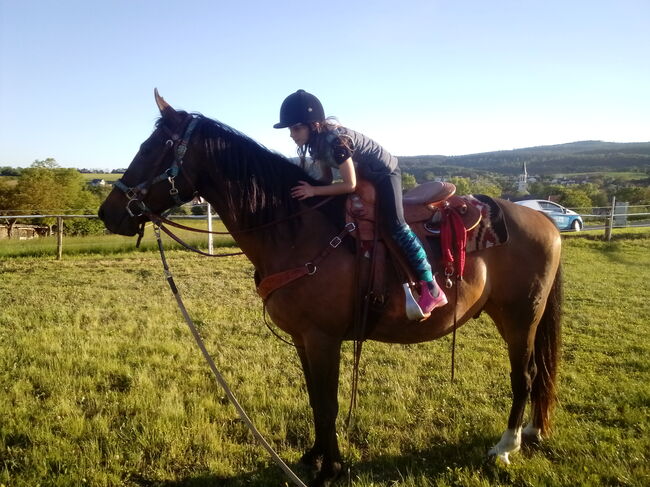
(218, 376)
(159, 220)
(167, 221)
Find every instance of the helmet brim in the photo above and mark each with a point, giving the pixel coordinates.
(280, 125)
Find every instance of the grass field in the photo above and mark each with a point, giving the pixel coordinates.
(110, 244)
(107, 176)
(622, 175)
(102, 385)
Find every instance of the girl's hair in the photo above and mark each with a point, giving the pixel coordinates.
(318, 139)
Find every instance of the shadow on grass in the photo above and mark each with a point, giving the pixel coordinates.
(468, 458)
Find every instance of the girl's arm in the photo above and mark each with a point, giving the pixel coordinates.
(348, 175)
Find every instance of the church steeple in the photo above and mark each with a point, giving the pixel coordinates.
(522, 183)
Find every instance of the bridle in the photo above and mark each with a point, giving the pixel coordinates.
(135, 205)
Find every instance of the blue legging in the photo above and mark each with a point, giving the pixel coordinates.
(389, 194)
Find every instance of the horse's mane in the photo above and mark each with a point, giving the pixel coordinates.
(258, 180)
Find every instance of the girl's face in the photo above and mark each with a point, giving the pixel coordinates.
(299, 133)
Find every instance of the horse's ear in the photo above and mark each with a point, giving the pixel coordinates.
(163, 106)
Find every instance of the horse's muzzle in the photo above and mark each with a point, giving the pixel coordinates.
(118, 222)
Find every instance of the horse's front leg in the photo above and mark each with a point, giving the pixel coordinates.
(320, 357)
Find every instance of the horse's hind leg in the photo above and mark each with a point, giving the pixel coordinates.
(522, 364)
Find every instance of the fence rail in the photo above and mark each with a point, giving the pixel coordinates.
(610, 221)
(59, 226)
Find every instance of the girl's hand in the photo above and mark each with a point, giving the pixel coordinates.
(302, 191)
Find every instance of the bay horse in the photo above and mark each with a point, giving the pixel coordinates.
(518, 284)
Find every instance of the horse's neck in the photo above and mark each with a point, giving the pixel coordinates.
(271, 246)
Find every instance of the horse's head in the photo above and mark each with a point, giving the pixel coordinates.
(159, 176)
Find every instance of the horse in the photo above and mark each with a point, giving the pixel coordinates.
(518, 284)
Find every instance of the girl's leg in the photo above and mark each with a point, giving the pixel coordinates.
(389, 192)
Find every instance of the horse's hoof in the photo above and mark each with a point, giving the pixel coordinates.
(313, 460)
(327, 476)
(502, 457)
(531, 436)
(531, 440)
(510, 442)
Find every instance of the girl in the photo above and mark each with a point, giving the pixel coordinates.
(335, 147)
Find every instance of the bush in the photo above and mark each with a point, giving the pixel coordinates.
(83, 226)
(199, 210)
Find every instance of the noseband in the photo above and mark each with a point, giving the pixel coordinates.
(135, 205)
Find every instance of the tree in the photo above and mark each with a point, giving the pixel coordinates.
(7, 202)
(486, 187)
(429, 176)
(634, 195)
(45, 188)
(9, 171)
(462, 185)
(408, 181)
(48, 163)
(7, 196)
(575, 198)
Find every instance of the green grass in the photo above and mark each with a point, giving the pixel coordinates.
(102, 385)
(108, 177)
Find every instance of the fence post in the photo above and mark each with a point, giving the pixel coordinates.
(59, 237)
(210, 242)
(610, 221)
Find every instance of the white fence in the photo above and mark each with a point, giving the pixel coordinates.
(58, 227)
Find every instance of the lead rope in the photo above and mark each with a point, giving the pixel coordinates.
(220, 379)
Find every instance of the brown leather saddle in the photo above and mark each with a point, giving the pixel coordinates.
(423, 206)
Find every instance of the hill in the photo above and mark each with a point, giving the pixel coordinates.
(584, 156)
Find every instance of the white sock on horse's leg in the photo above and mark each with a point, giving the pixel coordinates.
(510, 442)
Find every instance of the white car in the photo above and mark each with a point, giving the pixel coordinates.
(564, 218)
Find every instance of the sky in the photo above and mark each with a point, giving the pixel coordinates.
(420, 77)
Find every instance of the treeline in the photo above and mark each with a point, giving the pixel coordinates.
(44, 188)
(16, 171)
(588, 156)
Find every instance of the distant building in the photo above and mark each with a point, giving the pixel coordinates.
(21, 231)
(522, 183)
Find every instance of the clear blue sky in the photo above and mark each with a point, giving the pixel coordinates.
(421, 77)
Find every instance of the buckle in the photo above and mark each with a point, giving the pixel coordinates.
(141, 207)
(335, 242)
(173, 191)
(311, 268)
(350, 227)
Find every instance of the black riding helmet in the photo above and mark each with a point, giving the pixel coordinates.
(300, 107)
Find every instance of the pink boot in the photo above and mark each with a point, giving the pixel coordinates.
(427, 302)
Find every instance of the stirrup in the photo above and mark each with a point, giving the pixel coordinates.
(413, 311)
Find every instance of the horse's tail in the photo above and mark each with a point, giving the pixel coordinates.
(547, 348)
